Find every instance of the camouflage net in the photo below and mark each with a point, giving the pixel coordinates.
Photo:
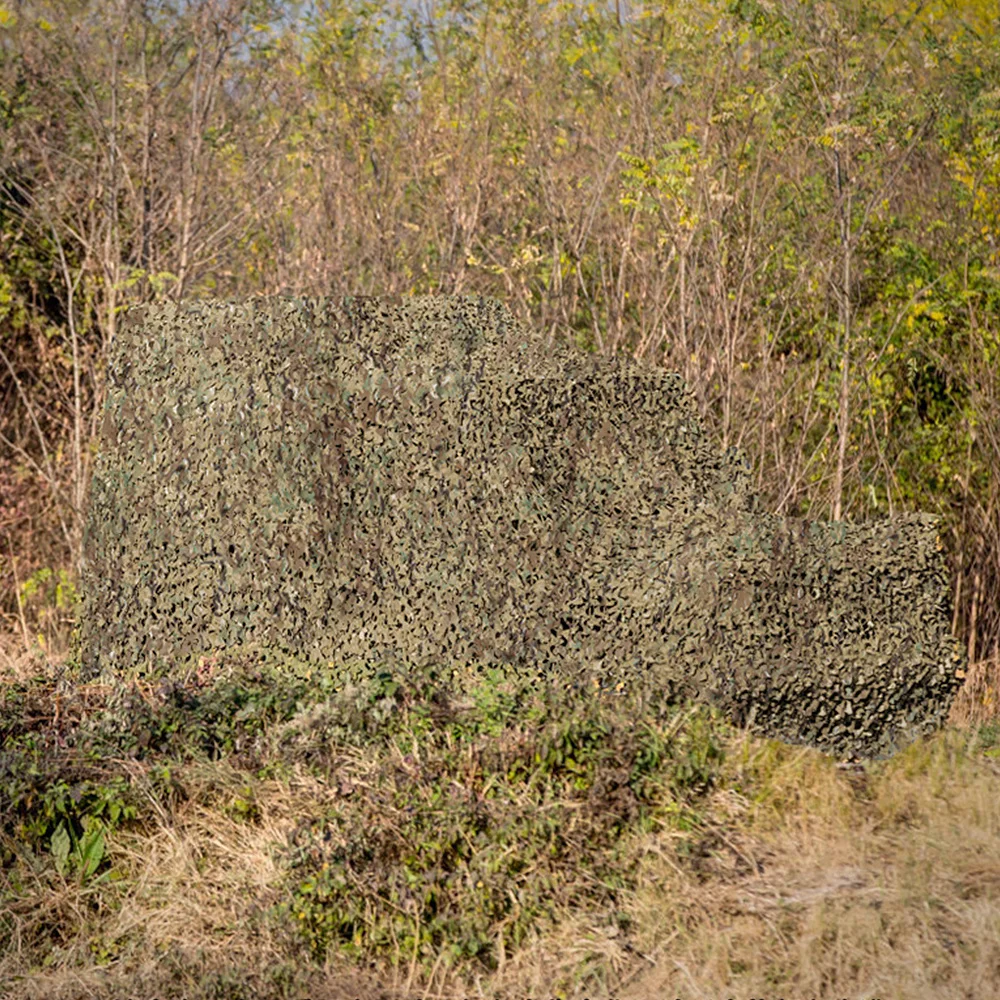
(421, 480)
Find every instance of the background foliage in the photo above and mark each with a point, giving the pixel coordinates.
(794, 204)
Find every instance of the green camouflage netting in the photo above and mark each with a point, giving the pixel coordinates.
(421, 480)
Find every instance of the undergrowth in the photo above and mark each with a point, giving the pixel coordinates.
(464, 812)
(253, 823)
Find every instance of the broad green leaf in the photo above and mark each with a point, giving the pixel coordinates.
(60, 846)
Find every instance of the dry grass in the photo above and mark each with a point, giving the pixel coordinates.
(798, 877)
(16, 662)
(978, 700)
(893, 892)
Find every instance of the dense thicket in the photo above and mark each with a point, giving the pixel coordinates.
(794, 204)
